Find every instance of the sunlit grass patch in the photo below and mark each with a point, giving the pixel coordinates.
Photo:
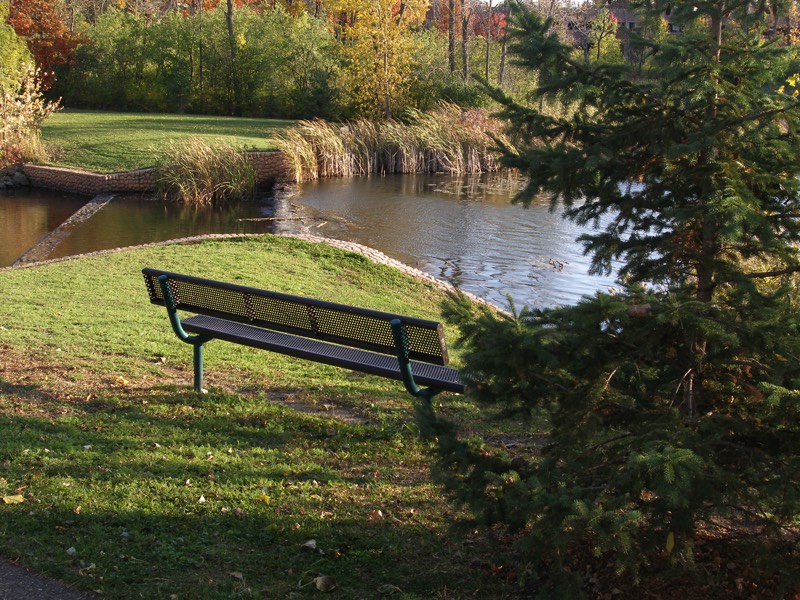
(107, 142)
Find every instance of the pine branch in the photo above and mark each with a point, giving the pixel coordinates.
(776, 273)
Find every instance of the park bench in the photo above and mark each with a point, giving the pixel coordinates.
(407, 349)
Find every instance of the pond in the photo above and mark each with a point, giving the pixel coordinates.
(464, 230)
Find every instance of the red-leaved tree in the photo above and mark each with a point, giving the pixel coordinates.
(41, 23)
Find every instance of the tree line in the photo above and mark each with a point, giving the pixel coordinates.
(338, 58)
(285, 58)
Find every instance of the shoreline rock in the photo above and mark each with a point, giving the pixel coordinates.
(12, 178)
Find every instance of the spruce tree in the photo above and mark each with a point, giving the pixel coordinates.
(674, 404)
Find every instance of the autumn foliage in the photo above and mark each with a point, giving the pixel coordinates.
(41, 23)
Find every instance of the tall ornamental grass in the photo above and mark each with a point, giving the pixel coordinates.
(197, 173)
(444, 140)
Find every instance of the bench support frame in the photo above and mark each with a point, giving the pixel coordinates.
(196, 341)
(402, 344)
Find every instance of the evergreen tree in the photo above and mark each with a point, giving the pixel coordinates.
(674, 404)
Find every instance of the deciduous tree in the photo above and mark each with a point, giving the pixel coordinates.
(376, 37)
(42, 24)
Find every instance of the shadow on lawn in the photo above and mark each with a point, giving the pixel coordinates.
(135, 493)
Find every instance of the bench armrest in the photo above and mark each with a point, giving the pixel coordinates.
(196, 341)
(172, 312)
(402, 345)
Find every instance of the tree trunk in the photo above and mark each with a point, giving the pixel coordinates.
(451, 35)
(387, 105)
(488, 38)
(232, 48)
(502, 74)
(709, 239)
(200, 56)
(464, 39)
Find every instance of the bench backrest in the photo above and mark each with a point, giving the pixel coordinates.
(336, 323)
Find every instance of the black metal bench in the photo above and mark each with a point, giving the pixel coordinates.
(407, 349)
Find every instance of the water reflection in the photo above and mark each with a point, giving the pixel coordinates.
(131, 221)
(29, 215)
(465, 230)
(26, 217)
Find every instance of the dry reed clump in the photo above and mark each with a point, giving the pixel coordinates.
(445, 140)
(197, 173)
(23, 150)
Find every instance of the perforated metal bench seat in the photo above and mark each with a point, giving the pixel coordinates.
(355, 359)
(398, 347)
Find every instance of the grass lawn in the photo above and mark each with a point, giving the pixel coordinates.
(107, 142)
(117, 478)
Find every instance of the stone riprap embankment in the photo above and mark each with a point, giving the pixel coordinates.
(87, 183)
(269, 167)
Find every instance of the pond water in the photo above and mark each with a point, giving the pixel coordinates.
(464, 230)
(26, 216)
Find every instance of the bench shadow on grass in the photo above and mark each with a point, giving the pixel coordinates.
(216, 498)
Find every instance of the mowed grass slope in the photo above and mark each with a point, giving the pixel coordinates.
(107, 142)
(117, 478)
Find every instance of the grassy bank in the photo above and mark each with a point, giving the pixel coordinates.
(133, 486)
(107, 142)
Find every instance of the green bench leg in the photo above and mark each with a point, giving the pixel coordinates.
(402, 345)
(198, 368)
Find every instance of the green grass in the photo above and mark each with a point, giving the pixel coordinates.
(138, 488)
(107, 142)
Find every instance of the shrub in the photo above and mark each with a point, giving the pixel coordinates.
(22, 111)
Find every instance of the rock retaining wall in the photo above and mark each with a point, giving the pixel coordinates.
(269, 167)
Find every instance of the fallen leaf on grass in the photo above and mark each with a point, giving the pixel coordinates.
(388, 589)
(325, 583)
(16, 499)
(237, 575)
(310, 544)
(376, 515)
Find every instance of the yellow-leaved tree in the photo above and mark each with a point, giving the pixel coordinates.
(376, 38)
